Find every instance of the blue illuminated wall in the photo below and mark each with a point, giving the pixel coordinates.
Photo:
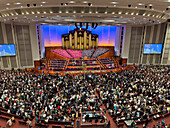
(52, 34)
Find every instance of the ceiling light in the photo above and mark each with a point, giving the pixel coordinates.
(17, 3)
(22, 13)
(137, 13)
(120, 13)
(96, 11)
(140, 4)
(45, 12)
(27, 12)
(82, 11)
(126, 13)
(72, 2)
(60, 11)
(136, 7)
(114, 2)
(90, 12)
(113, 12)
(144, 14)
(132, 13)
(150, 4)
(16, 14)
(114, 5)
(148, 14)
(41, 5)
(85, 2)
(43, 2)
(105, 12)
(33, 13)
(38, 12)
(7, 8)
(8, 4)
(66, 11)
(74, 11)
(51, 12)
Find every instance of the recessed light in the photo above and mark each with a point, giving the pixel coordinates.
(66, 11)
(140, 4)
(17, 3)
(113, 12)
(74, 11)
(114, 2)
(72, 2)
(96, 11)
(126, 13)
(8, 4)
(41, 5)
(90, 12)
(85, 2)
(7, 8)
(21, 6)
(150, 4)
(82, 11)
(120, 13)
(43, 2)
(114, 5)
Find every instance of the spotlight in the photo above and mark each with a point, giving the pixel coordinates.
(81, 25)
(87, 26)
(129, 5)
(167, 9)
(90, 4)
(62, 4)
(28, 5)
(145, 6)
(150, 7)
(76, 25)
(34, 4)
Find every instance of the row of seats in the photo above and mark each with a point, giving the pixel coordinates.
(79, 54)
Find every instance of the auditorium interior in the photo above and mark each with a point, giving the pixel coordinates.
(85, 63)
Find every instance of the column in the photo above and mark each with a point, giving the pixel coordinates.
(75, 40)
(63, 42)
(70, 39)
(89, 40)
(85, 39)
(97, 41)
(67, 44)
(80, 43)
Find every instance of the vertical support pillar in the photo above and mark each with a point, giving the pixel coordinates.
(97, 42)
(63, 42)
(89, 40)
(85, 39)
(70, 39)
(75, 40)
(80, 42)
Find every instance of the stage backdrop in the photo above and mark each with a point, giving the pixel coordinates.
(52, 34)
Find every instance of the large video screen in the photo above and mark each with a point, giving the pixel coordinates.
(52, 34)
(152, 48)
(7, 50)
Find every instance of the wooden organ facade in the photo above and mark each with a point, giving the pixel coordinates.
(79, 39)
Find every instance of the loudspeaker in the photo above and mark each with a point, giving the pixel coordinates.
(12, 69)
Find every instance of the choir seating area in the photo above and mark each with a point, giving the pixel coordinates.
(91, 53)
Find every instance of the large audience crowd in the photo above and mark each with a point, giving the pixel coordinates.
(131, 94)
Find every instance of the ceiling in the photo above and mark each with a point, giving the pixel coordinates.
(105, 12)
